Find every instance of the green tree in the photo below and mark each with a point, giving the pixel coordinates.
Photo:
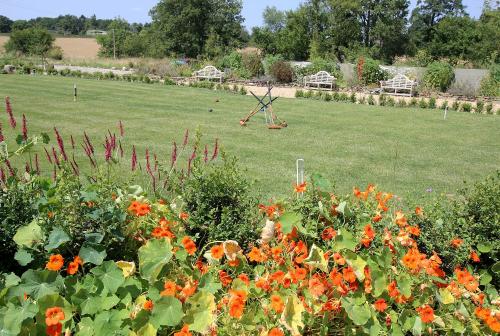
(5, 24)
(427, 15)
(114, 41)
(274, 19)
(31, 41)
(489, 47)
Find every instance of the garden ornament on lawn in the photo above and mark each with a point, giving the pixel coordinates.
(265, 105)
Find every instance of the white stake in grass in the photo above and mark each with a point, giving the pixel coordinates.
(445, 112)
(300, 173)
(75, 93)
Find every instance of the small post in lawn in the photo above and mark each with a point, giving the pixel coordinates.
(300, 173)
(445, 112)
(75, 93)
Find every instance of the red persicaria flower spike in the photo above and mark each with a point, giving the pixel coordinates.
(173, 158)
(134, 158)
(120, 148)
(72, 142)
(11, 170)
(216, 150)
(37, 165)
(87, 141)
(25, 128)
(56, 158)
(48, 155)
(148, 165)
(2, 138)
(2, 175)
(189, 167)
(186, 137)
(122, 130)
(8, 107)
(193, 155)
(60, 142)
(156, 161)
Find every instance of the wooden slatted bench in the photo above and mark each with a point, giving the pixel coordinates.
(209, 73)
(399, 86)
(320, 80)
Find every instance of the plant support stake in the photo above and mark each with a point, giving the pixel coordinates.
(75, 93)
(300, 173)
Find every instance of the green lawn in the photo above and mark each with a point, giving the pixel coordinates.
(401, 150)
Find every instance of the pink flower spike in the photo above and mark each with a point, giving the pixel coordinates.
(122, 130)
(25, 129)
(8, 107)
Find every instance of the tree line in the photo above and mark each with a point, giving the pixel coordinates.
(335, 29)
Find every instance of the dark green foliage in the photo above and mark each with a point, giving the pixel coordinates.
(382, 100)
(455, 106)
(220, 204)
(372, 73)
(16, 209)
(353, 98)
(431, 103)
(444, 105)
(282, 72)
(413, 102)
(479, 106)
(489, 108)
(490, 85)
(473, 216)
(466, 107)
(5, 24)
(371, 100)
(252, 63)
(439, 76)
(31, 41)
(391, 102)
(327, 97)
(299, 94)
(423, 103)
(402, 103)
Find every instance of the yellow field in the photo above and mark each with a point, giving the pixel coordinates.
(73, 47)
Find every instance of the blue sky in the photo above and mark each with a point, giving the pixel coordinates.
(137, 11)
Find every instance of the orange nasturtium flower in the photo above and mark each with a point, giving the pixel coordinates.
(54, 316)
(426, 313)
(474, 257)
(225, 278)
(277, 303)
(300, 188)
(256, 255)
(419, 211)
(73, 266)
(148, 305)
(55, 263)
(54, 330)
(217, 251)
(456, 242)
(237, 303)
(184, 331)
(170, 288)
(189, 245)
(328, 234)
(349, 275)
(275, 332)
(380, 305)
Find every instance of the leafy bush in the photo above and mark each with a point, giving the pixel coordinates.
(432, 103)
(490, 85)
(55, 53)
(30, 41)
(489, 108)
(413, 102)
(219, 203)
(444, 105)
(371, 100)
(382, 99)
(467, 107)
(352, 98)
(402, 103)
(308, 94)
(327, 96)
(252, 63)
(391, 102)
(479, 106)
(269, 61)
(423, 103)
(299, 94)
(362, 100)
(282, 72)
(371, 73)
(439, 76)
(455, 106)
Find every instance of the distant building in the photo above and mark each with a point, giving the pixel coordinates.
(95, 32)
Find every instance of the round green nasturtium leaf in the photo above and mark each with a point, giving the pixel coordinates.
(167, 312)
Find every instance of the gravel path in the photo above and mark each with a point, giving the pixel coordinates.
(60, 67)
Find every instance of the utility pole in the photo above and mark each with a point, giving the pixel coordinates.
(114, 44)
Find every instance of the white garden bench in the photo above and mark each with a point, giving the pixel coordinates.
(399, 86)
(320, 80)
(209, 72)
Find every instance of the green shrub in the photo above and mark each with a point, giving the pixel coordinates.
(327, 96)
(479, 106)
(282, 72)
(372, 73)
(439, 76)
(391, 102)
(371, 100)
(466, 107)
(243, 91)
(343, 97)
(233, 61)
(362, 100)
(490, 85)
(352, 98)
(423, 103)
(489, 108)
(299, 94)
(55, 53)
(413, 102)
(382, 100)
(432, 103)
(269, 61)
(219, 203)
(252, 63)
(308, 94)
(444, 105)
(336, 96)
(455, 106)
(402, 103)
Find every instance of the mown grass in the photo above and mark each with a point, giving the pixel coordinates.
(406, 151)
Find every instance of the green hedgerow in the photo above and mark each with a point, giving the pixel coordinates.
(371, 100)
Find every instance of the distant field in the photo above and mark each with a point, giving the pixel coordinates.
(405, 151)
(73, 47)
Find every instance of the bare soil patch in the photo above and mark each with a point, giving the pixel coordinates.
(73, 47)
